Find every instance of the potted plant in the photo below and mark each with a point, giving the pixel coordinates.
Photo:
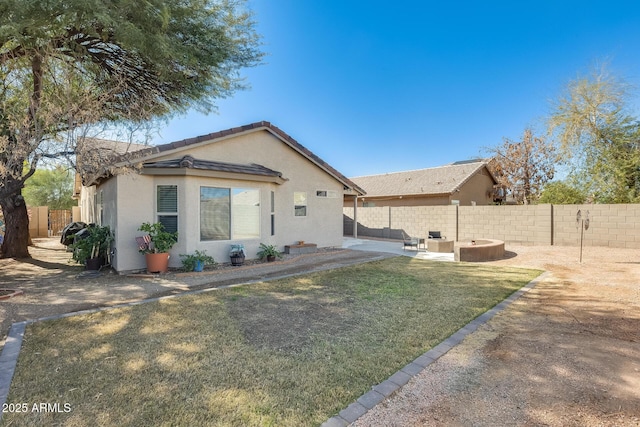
(237, 254)
(269, 252)
(196, 261)
(155, 246)
(91, 246)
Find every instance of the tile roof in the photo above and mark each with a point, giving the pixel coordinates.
(112, 147)
(431, 181)
(262, 125)
(192, 163)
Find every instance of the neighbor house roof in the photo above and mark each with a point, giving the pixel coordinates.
(431, 181)
(160, 150)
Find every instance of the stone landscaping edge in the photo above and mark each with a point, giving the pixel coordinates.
(379, 392)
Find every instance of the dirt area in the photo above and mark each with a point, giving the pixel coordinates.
(565, 354)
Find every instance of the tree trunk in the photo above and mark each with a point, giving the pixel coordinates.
(16, 219)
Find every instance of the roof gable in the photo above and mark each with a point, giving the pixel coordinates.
(151, 153)
(431, 181)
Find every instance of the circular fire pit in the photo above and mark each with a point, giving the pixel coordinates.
(479, 250)
(9, 293)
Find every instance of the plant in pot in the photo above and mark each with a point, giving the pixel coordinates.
(196, 261)
(91, 246)
(270, 252)
(156, 245)
(237, 254)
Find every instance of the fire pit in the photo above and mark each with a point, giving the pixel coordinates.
(479, 250)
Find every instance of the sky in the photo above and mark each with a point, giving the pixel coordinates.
(376, 86)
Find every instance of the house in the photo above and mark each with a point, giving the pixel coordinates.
(464, 183)
(247, 185)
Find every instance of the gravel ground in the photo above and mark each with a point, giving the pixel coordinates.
(566, 354)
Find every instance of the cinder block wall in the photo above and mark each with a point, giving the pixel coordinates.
(417, 221)
(609, 225)
(525, 225)
(616, 226)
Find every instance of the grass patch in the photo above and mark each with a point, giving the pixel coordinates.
(292, 352)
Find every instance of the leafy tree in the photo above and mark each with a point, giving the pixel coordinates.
(562, 193)
(71, 65)
(599, 138)
(50, 187)
(523, 167)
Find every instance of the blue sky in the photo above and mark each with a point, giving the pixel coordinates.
(377, 86)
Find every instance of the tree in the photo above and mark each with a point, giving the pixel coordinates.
(562, 193)
(50, 187)
(523, 167)
(598, 137)
(66, 66)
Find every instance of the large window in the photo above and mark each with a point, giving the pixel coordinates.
(215, 213)
(227, 214)
(167, 207)
(245, 213)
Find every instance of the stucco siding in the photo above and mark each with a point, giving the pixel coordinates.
(477, 189)
(135, 201)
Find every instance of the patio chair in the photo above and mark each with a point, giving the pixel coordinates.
(409, 241)
(436, 235)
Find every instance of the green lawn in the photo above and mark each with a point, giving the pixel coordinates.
(291, 352)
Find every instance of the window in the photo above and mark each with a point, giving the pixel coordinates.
(229, 213)
(167, 207)
(300, 203)
(330, 194)
(273, 213)
(245, 213)
(98, 207)
(215, 213)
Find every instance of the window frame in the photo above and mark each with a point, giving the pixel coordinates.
(159, 213)
(304, 204)
(232, 231)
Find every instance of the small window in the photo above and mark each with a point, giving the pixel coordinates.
(167, 207)
(330, 194)
(300, 203)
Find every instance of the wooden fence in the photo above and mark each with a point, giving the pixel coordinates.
(44, 222)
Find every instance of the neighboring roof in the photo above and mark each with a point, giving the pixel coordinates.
(154, 151)
(431, 181)
(191, 163)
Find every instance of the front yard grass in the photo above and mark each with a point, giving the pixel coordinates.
(291, 352)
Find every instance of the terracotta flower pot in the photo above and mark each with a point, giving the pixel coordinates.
(157, 263)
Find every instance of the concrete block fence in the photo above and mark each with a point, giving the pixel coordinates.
(609, 225)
